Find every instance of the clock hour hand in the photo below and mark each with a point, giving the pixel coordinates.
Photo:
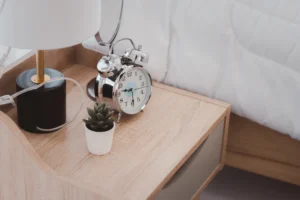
(127, 90)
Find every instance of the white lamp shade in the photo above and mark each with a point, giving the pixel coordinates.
(48, 24)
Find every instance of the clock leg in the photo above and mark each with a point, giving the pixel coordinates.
(119, 117)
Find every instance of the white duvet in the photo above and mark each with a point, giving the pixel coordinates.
(245, 52)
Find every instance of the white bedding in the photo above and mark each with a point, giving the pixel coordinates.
(246, 52)
(14, 57)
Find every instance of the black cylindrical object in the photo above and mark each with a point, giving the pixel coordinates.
(45, 107)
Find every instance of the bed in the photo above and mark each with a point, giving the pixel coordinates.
(245, 52)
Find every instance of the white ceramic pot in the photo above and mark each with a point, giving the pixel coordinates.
(99, 143)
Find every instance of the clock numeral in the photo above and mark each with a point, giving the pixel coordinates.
(120, 85)
(135, 73)
(138, 99)
(142, 84)
(140, 77)
(132, 103)
(142, 91)
(129, 74)
(124, 78)
(126, 103)
(121, 100)
(119, 94)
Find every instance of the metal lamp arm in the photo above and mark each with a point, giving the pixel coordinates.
(112, 39)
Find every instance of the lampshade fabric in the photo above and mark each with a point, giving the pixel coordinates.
(48, 24)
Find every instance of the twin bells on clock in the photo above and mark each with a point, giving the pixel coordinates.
(123, 83)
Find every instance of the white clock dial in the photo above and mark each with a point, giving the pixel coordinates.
(134, 90)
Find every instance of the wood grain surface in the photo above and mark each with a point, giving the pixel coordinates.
(246, 138)
(148, 148)
(263, 151)
(253, 139)
(264, 167)
(24, 176)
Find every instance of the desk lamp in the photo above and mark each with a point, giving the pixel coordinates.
(43, 25)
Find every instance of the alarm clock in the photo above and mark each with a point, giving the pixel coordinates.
(123, 83)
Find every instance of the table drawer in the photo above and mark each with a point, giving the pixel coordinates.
(193, 174)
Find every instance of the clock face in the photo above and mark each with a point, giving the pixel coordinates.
(134, 90)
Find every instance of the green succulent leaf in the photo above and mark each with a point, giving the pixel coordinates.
(105, 126)
(110, 121)
(100, 123)
(105, 111)
(96, 108)
(92, 114)
(100, 116)
(93, 121)
(88, 122)
(94, 127)
(102, 105)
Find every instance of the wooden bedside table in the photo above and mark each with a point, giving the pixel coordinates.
(170, 151)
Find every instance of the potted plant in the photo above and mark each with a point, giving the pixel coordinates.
(99, 129)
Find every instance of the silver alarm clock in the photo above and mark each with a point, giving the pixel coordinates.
(122, 82)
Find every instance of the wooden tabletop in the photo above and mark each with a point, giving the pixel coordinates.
(147, 149)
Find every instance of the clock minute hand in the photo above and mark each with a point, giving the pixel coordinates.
(141, 88)
(132, 98)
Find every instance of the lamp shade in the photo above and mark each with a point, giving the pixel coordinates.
(48, 24)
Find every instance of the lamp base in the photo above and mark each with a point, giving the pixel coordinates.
(45, 107)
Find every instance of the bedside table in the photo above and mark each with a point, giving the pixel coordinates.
(170, 151)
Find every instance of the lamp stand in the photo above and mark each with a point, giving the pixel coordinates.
(45, 107)
(40, 76)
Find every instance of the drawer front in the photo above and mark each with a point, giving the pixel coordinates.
(193, 174)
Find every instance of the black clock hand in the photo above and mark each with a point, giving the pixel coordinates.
(126, 100)
(127, 90)
(132, 98)
(141, 88)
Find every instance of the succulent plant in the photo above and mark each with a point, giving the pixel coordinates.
(100, 118)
